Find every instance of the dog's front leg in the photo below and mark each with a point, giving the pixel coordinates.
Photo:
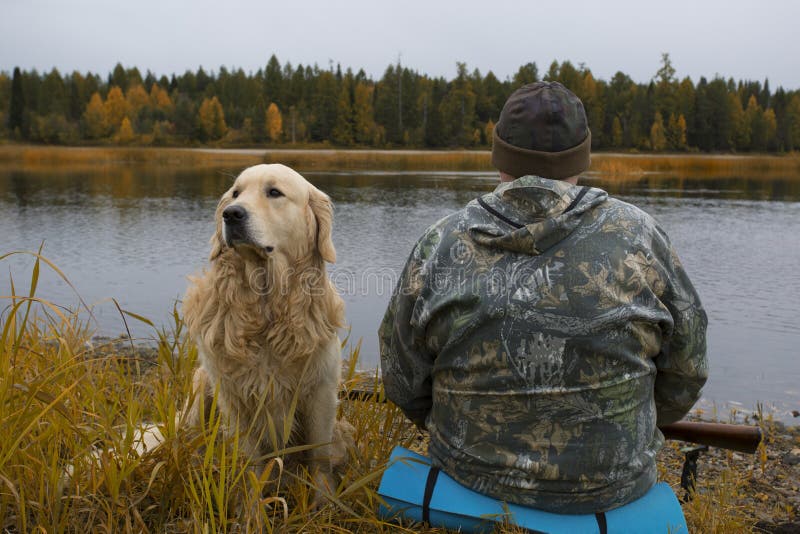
(319, 418)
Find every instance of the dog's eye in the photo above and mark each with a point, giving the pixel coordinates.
(274, 193)
(235, 193)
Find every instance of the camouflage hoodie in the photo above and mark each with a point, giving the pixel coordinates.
(540, 334)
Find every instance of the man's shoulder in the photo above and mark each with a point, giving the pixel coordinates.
(618, 212)
(453, 224)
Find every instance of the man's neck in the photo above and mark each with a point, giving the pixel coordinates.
(508, 178)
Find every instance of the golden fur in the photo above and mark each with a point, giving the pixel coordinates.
(265, 316)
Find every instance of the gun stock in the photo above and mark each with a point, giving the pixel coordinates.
(739, 438)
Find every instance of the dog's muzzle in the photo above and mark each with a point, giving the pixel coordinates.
(235, 218)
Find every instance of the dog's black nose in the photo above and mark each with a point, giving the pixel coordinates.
(234, 214)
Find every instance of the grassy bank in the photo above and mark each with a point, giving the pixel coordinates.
(618, 165)
(68, 401)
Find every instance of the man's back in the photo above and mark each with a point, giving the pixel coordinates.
(532, 332)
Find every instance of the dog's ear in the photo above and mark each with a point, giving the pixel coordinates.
(218, 245)
(322, 209)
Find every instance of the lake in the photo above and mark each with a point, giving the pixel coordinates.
(135, 233)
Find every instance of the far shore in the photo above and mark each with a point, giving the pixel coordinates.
(616, 164)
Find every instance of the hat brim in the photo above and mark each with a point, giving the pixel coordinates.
(517, 161)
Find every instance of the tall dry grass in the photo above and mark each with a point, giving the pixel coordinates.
(70, 421)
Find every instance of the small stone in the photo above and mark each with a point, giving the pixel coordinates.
(795, 413)
(792, 457)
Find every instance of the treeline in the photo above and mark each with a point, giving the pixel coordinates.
(304, 104)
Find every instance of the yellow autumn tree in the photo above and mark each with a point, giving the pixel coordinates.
(116, 108)
(125, 132)
(212, 119)
(274, 122)
(137, 99)
(658, 138)
(160, 100)
(95, 121)
(770, 129)
(676, 132)
(488, 131)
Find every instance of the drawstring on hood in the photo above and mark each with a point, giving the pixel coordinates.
(532, 214)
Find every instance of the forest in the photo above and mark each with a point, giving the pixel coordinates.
(284, 105)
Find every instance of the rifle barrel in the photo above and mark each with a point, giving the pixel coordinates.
(739, 438)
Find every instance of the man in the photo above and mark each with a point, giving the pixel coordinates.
(542, 332)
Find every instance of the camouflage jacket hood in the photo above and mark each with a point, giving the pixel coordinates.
(538, 213)
(540, 333)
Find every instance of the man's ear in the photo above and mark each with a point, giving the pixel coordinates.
(322, 209)
(218, 245)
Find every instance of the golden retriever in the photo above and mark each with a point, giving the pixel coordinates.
(265, 318)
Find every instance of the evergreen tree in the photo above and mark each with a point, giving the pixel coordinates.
(793, 123)
(55, 101)
(17, 105)
(259, 119)
(616, 133)
(343, 132)
(273, 81)
(363, 114)
(324, 107)
(527, 73)
(458, 109)
(119, 78)
(388, 104)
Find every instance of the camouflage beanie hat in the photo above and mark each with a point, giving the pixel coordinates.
(542, 131)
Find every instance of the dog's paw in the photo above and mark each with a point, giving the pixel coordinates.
(324, 486)
(343, 439)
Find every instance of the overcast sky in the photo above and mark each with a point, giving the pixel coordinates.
(742, 39)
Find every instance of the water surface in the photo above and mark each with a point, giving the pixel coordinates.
(135, 234)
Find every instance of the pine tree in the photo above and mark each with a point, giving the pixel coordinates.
(17, 106)
(343, 132)
(458, 109)
(324, 106)
(527, 73)
(793, 123)
(274, 123)
(273, 81)
(616, 133)
(54, 94)
(363, 115)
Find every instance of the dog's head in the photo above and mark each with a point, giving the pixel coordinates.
(273, 211)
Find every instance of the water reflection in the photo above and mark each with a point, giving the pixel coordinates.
(134, 234)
